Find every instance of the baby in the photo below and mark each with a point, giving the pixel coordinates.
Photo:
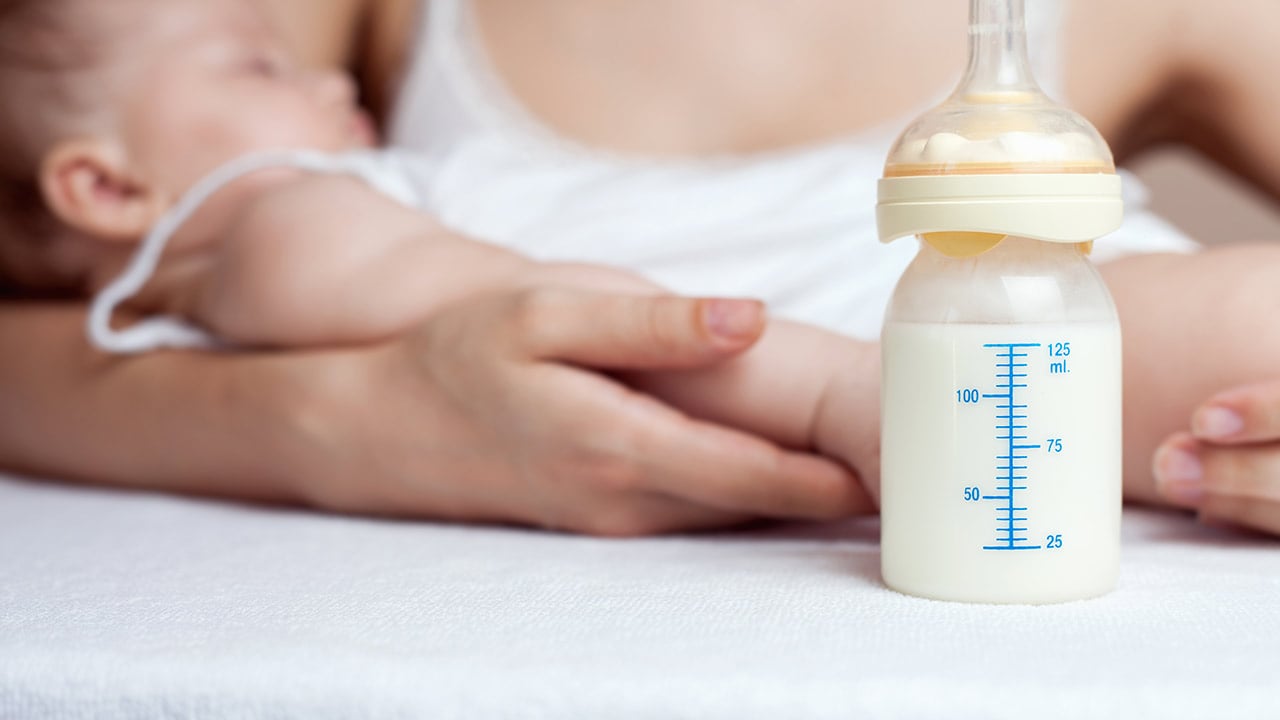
(120, 121)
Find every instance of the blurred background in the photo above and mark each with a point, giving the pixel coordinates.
(1203, 200)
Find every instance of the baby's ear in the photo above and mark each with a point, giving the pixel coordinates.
(87, 185)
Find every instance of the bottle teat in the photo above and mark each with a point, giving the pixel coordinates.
(998, 157)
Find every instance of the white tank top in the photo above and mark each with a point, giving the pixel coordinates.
(795, 228)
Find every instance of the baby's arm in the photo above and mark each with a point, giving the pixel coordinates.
(1194, 325)
(324, 260)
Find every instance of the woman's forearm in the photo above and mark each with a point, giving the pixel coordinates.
(207, 424)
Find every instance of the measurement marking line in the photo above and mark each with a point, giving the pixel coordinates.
(1012, 345)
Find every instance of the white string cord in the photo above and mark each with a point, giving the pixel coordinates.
(167, 331)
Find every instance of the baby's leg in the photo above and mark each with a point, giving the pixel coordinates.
(1193, 325)
(799, 386)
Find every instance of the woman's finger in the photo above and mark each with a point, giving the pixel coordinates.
(633, 443)
(1235, 486)
(733, 471)
(1254, 513)
(1227, 484)
(1246, 471)
(615, 331)
(1241, 415)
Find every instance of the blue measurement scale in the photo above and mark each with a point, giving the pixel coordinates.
(1012, 371)
(1013, 466)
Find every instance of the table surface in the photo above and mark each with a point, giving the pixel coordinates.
(122, 605)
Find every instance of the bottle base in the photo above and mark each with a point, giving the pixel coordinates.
(1007, 595)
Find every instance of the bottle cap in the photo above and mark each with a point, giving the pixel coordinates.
(999, 157)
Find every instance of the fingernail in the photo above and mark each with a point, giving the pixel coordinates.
(1216, 422)
(733, 319)
(1179, 475)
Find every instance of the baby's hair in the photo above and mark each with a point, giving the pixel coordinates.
(39, 45)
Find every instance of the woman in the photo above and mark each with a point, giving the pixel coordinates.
(658, 80)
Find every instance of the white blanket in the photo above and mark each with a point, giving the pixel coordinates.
(117, 605)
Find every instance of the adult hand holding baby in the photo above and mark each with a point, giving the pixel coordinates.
(1228, 467)
(487, 413)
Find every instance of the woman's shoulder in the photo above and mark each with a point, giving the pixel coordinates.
(1120, 56)
(320, 39)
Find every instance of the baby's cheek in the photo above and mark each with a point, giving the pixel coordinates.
(174, 149)
(291, 127)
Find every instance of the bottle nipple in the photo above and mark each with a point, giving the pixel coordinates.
(997, 122)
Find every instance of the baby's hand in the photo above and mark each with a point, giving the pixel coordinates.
(1228, 467)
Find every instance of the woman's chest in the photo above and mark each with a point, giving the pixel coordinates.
(677, 77)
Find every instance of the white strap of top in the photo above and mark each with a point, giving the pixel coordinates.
(166, 331)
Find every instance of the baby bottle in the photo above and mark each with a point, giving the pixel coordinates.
(1001, 469)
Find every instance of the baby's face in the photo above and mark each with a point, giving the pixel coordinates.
(200, 82)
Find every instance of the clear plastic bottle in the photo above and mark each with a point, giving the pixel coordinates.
(1001, 427)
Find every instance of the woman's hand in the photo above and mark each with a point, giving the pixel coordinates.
(493, 411)
(1228, 467)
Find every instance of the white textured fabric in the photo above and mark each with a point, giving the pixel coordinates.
(119, 606)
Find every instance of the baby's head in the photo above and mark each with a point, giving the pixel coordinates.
(112, 110)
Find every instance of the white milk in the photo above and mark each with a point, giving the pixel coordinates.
(952, 528)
